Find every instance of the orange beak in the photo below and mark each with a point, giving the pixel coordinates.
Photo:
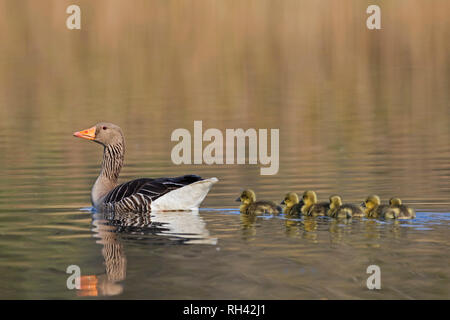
(88, 134)
(88, 286)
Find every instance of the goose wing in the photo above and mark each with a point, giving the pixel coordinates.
(137, 195)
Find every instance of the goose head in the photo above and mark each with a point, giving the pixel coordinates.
(309, 198)
(247, 197)
(335, 202)
(290, 199)
(393, 202)
(371, 202)
(104, 133)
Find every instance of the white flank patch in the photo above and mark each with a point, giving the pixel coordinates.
(185, 198)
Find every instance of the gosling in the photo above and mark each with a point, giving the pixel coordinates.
(293, 204)
(339, 210)
(405, 211)
(311, 207)
(374, 209)
(249, 205)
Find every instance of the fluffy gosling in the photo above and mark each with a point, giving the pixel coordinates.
(339, 210)
(374, 209)
(311, 207)
(249, 205)
(293, 206)
(405, 212)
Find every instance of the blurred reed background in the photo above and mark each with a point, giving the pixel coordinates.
(358, 110)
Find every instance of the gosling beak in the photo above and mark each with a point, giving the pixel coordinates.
(88, 134)
(363, 204)
(282, 202)
(238, 199)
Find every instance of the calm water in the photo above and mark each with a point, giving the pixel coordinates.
(358, 113)
(46, 225)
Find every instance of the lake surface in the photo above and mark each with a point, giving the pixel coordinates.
(46, 224)
(358, 113)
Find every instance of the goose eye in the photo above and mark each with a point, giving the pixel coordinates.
(104, 128)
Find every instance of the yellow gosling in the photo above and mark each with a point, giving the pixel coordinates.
(339, 210)
(292, 204)
(405, 211)
(249, 205)
(311, 207)
(374, 209)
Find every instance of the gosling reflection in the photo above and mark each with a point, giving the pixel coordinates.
(292, 226)
(396, 228)
(306, 227)
(378, 231)
(310, 229)
(248, 225)
(183, 226)
(339, 228)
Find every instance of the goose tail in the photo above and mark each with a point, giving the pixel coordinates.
(188, 197)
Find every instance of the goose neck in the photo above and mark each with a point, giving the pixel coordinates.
(112, 162)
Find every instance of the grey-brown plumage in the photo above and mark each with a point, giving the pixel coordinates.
(249, 205)
(132, 196)
(138, 195)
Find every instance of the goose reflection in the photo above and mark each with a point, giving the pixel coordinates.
(187, 227)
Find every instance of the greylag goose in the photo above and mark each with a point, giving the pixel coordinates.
(141, 195)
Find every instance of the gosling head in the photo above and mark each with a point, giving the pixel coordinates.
(371, 202)
(309, 198)
(290, 199)
(105, 133)
(247, 197)
(335, 202)
(393, 202)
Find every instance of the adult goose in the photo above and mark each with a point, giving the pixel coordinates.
(140, 195)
